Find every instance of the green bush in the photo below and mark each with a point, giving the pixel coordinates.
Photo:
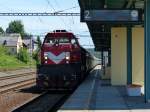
(35, 56)
(23, 55)
(3, 50)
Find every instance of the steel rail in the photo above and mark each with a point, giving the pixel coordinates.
(16, 76)
(15, 83)
(30, 82)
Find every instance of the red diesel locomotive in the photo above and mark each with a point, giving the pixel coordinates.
(64, 63)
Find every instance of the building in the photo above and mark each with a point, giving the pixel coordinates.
(30, 44)
(11, 41)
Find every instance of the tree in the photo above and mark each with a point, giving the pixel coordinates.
(35, 56)
(1, 30)
(39, 42)
(36, 53)
(16, 27)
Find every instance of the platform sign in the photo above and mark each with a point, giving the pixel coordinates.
(111, 15)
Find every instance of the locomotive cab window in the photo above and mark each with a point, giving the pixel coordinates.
(51, 41)
(64, 40)
(74, 41)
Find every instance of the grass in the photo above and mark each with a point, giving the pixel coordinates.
(8, 62)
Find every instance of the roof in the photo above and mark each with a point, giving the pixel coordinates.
(27, 42)
(60, 35)
(100, 32)
(9, 39)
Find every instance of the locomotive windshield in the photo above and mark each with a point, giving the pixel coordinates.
(57, 41)
(64, 40)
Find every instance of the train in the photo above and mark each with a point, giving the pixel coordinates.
(63, 62)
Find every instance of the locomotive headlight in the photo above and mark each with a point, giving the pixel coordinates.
(46, 57)
(67, 55)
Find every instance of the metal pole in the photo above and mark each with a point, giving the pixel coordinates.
(147, 50)
(109, 57)
(102, 58)
(129, 55)
(30, 52)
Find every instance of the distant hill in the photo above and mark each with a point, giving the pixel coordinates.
(95, 53)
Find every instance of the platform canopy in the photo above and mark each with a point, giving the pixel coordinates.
(100, 31)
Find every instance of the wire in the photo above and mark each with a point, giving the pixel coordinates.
(66, 9)
(39, 14)
(48, 2)
(56, 2)
(72, 19)
(62, 11)
(41, 21)
(55, 11)
(77, 6)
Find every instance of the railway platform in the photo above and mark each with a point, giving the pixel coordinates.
(97, 95)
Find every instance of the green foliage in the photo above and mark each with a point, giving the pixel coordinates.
(39, 42)
(7, 61)
(16, 27)
(1, 30)
(36, 53)
(23, 55)
(36, 56)
(11, 62)
(3, 50)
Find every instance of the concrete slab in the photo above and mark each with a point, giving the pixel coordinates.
(95, 95)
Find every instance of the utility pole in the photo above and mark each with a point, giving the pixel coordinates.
(30, 52)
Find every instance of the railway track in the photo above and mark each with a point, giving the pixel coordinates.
(42, 103)
(16, 76)
(16, 81)
(26, 100)
(17, 85)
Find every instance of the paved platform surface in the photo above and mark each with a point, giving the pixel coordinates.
(96, 95)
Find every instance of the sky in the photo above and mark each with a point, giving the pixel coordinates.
(42, 25)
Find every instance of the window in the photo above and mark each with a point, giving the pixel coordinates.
(64, 40)
(12, 49)
(73, 41)
(57, 41)
(50, 41)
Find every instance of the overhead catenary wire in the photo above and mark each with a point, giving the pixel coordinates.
(49, 3)
(72, 21)
(63, 10)
(66, 9)
(39, 14)
(54, 12)
(56, 2)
